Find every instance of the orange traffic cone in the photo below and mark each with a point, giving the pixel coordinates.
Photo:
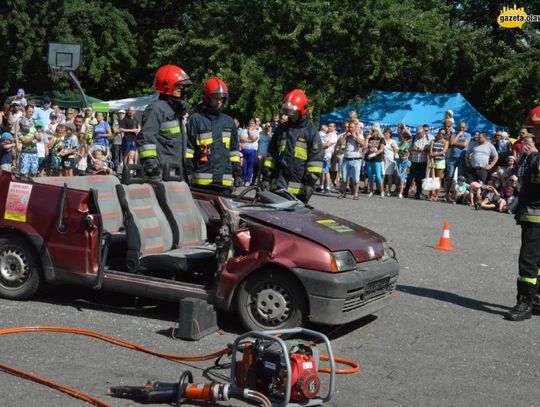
(444, 243)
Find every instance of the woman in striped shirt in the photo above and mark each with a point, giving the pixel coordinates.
(437, 152)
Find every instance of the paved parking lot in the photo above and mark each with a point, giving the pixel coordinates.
(442, 343)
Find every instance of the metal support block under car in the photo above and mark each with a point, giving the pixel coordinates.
(196, 319)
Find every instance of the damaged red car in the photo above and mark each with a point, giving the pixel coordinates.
(272, 260)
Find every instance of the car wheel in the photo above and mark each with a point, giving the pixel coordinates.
(20, 276)
(271, 299)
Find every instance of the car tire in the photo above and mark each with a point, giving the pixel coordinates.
(20, 272)
(271, 299)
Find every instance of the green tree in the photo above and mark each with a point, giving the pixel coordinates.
(109, 48)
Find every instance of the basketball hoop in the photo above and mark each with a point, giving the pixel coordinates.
(66, 58)
(56, 70)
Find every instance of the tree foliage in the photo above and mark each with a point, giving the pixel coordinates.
(337, 51)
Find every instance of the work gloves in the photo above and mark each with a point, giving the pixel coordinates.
(152, 169)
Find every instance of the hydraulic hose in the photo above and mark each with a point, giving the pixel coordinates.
(355, 366)
(53, 385)
(251, 394)
(115, 341)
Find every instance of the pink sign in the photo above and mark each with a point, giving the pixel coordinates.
(17, 201)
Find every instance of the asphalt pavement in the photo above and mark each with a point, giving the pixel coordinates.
(443, 342)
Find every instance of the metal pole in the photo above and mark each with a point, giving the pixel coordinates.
(75, 80)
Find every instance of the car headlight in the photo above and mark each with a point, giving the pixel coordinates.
(388, 252)
(343, 261)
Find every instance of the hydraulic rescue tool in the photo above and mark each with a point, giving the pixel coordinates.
(288, 376)
(267, 371)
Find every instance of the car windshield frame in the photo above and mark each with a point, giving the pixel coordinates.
(262, 207)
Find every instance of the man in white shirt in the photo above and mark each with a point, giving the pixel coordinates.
(419, 157)
(20, 97)
(43, 113)
(16, 113)
(329, 144)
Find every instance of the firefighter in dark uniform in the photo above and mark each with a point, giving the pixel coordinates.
(295, 153)
(213, 154)
(162, 136)
(528, 216)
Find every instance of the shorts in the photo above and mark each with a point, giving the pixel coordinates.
(326, 166)
(351, 168)
(56, 162)
(129, 145)
(29, 163)
(400, 180)
(389, 167)
(43, 162)
(68, 163)
(463, 198)
(440, 165)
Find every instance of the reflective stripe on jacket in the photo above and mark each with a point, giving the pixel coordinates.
(295, 156)
(162, 134)
(212, 147)
(529, 194)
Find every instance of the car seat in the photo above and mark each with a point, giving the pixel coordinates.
(150, 241)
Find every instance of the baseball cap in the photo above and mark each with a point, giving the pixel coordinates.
(6, 135)
(38, 123)
(46, 99)
(121, 111)
(15, 102)
(20, 90)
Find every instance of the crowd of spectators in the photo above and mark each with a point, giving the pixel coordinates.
(45, 140)
(472, 169)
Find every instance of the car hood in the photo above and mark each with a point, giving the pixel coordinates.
(333, 232)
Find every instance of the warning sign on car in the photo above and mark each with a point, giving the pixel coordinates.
(17, 201)
(336, 227)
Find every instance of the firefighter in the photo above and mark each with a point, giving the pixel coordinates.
(528, 216)
(162, 136)
(295, 154)
(212, 154)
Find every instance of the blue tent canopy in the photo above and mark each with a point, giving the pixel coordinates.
(414, 109)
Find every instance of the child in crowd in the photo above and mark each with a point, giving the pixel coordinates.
(81, 155)
(26, 140)
(491, 199)
(475, 194)
(51, 128)
(461, 191)
(100, 165)
(403, 165)
(70, 145)
(42, 147)
(56, 144)
(5, 151)
(510, 194)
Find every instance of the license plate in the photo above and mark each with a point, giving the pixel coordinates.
(376, 287)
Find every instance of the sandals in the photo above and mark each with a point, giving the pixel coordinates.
(355, 198)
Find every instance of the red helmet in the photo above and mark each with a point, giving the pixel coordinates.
(215, 87)
(169, 75)
(533, 119)
(295, 101)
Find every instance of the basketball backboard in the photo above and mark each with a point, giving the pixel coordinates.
(64, 57)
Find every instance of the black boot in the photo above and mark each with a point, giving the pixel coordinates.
(536, 304)
(522, 310)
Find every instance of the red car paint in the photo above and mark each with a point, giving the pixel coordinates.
(300, 241)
